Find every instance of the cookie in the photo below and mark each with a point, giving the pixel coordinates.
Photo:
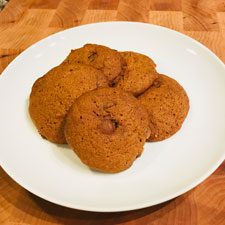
(53, 94)
(138, 73)
(167, 104)
(107, 129)
(100, 57)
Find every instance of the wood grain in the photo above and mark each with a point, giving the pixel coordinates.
(14, 10)
(93, 16)
(103, 4)
(220, 5)
(36, 18)
(23, 22)
(131, 10)
(200, 15)
(221, 19)
(69, 13)
(166, 5)
(47, 4)
(171, 19)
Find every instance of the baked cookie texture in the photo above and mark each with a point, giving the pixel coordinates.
(138, 73)
(100, 57)
(107, 129)
(53, 94)
(167, 104)
(106, 104)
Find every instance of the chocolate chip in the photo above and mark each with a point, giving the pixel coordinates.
(114, 82)
(156, 84)
(116, 123)
(108, 105)
(107, 117)
(92, 56)
(107, 126)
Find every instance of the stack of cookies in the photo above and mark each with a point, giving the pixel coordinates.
(105, 104)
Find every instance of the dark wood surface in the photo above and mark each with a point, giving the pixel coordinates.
(23, 22)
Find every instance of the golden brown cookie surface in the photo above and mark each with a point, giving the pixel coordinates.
(100, 57)
(53, 94)
(138, 73)
(167, 104)
(107, 129)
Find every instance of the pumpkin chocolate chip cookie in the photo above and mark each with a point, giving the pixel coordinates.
(167, 104)
(107, 129)
(100, 57)
(138, 73)
(53, 94)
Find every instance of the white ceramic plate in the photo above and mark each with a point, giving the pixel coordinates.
(165, 170)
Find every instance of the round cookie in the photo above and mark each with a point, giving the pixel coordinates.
(107, 129)
(100, 57)
(53, 94)
(138, 73)
(167, 104)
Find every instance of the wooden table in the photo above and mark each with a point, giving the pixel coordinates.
(23, 22)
